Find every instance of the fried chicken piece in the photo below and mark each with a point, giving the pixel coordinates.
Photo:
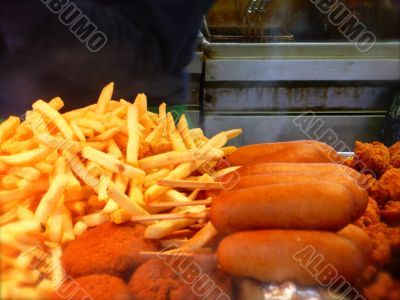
(384, 288)
(175, 278)
(391, 212)
(375, 156)
(95, 287)
(107, 249)
(394, 237)
(387, 187)
(381, 251)
(395, 155)
(370, 216)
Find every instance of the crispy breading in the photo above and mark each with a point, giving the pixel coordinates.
(375, 156)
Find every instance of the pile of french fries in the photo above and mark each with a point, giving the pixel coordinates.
(61, 173)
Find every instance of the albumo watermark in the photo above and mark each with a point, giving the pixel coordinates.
(347, 23)
(78, 23)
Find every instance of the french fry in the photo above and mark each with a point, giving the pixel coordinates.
(180, 172)
(183, 130)
(92, 124)
(125, 202)
(155, 135)
(73, 186)
(26, 158)
(162, 116)
(229, 150)
(77, 113)
(104, 182)
(111, 163)
(44, 167)
(25, 226)
(14, 147)
(156, 175)
(105, 136)
(77, 131)
(51, 198)
(10, 181)
(25, 192)
(120, 216)
(79, 228)
(56, 103)
(8, 127)
(104, 98)
(233, 133)
(94, 202)
(59, 143)
(29, 173)
(201, 238)
(173, 135)
(55, 117)
(55, 228)
(163, 228)
(24, 213)
(87, 132)
(110, 206)
(77, 208)
(95, 219)
(114, 149)
(190, 184)
(173, 158)
(132, 149)
(68, 229)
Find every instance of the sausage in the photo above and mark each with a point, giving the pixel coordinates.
(315, 204)
(359, 237)
(325, 168)
(305, 257)
(360, 195)
(294, 152)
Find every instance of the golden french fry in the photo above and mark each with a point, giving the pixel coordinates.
(10, 181)
(95, 219)
(201, 238)
(104, 98)
(233, 133)
(125, 202)
(120, 112)
(94, 202)
(14, 147)
(55, 228)
(111, 163)
(156, 175)
(161, 229)
(24, 192)
(51, 198)
(25, 226)
(87, 132)
(229, 150)
(79, 228)
(8, 127)
(190, 184)
(114, 149)
(155, 135)
(104, 181)
(183, 130)
(110, 206)
(77, 131)
(55, 117)
(28, 173)
(180, 172)
(24, 213)
(120, 216)
(56, 103)
(77, 208)
(173, 158)
(67, 227)
(173, 135)
(141, 104)
(59, 143)
(95, 125)
(77, 113)
(44, 167)
(105, 136)
(132, 149)
(26, 158)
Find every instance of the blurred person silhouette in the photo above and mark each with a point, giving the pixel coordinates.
(141, 45)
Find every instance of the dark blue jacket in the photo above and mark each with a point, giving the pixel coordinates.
(148, 44)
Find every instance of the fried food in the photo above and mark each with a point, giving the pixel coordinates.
(370, 216)
(384, 288)
(381, 251)
(95, 287)
(391, 212)
(395, 155)
(109, 248)
(179, 278)
(375, 156)
(387, 188)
